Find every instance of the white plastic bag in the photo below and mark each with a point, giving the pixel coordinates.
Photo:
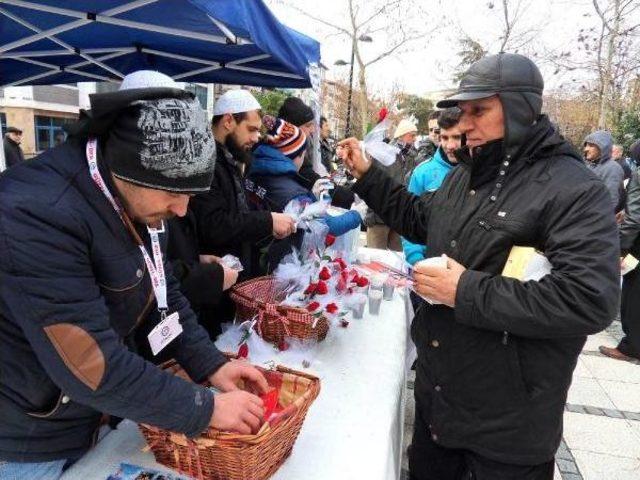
(374, 145)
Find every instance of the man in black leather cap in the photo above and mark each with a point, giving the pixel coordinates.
(496, 354)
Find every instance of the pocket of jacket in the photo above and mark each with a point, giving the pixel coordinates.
(122, 273)
(48, 412)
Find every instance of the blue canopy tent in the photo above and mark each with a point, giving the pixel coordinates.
(209, 41)
(45, 42)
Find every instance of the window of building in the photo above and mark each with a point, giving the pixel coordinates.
(49, 132)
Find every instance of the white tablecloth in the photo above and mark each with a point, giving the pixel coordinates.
(354, 428)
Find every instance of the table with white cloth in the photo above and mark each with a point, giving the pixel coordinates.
(353, 430)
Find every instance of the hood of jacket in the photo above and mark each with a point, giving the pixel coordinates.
(603, 140)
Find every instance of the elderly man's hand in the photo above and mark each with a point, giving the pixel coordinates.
(353, 157)
(437, 283)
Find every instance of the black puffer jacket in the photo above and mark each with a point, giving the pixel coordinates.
(224, 222)
(201, 283)
(630, 228)
(12, 153)
(494, 372)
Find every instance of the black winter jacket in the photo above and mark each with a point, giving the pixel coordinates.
(12, 153)
(493, 372)
(74, 290)
(201, 283)
(225, 223)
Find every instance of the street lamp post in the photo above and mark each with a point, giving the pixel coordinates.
(361, 38)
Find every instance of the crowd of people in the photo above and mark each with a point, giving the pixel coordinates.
(118, 249)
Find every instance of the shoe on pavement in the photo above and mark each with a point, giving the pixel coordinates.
(616, 354)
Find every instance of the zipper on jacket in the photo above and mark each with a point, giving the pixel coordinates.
(505, 338)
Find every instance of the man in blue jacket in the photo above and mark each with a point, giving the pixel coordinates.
(429, 175)
(81, 269)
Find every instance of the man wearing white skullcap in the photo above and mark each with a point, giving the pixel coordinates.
(224, 222)
(236, 101)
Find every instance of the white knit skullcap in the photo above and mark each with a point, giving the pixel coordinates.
(147, 79)
(235, 101)
(405, 126)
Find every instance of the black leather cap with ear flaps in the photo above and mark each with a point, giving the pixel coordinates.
(494, 74)
(519, 85)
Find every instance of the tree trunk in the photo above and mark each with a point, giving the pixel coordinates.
(364, 103)
(362, 87)
(606, 99)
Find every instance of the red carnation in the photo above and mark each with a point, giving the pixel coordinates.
(283, 345)
(322, 288)
(356, 278)
(311, 289)
(362, 281)
(325, 274)
(342, 285)
(341, 263)
(344, 275)
(330, 240)
(331, 308)
(382, 114)
(270, 402)
(313, 306)
(243, 351)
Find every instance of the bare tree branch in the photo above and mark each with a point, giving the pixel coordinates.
(391, 50)
(379, 11)
(507, 24)
(321, 20)
(601, 14)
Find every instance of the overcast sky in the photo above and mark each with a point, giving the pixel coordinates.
(430, 62)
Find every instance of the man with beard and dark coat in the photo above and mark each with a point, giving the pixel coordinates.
(296, 112)
(496, 354)
(629, 347)
(225, 222)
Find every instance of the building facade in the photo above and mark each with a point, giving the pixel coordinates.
(41, 111)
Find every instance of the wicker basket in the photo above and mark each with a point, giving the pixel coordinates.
(220, 455)
(261, 298)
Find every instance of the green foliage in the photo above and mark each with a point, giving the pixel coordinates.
(470, 52)
(271, 101)
(626, 127)
(419, 107)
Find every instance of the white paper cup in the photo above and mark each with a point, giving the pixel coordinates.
(375, 299)
(387, 290)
